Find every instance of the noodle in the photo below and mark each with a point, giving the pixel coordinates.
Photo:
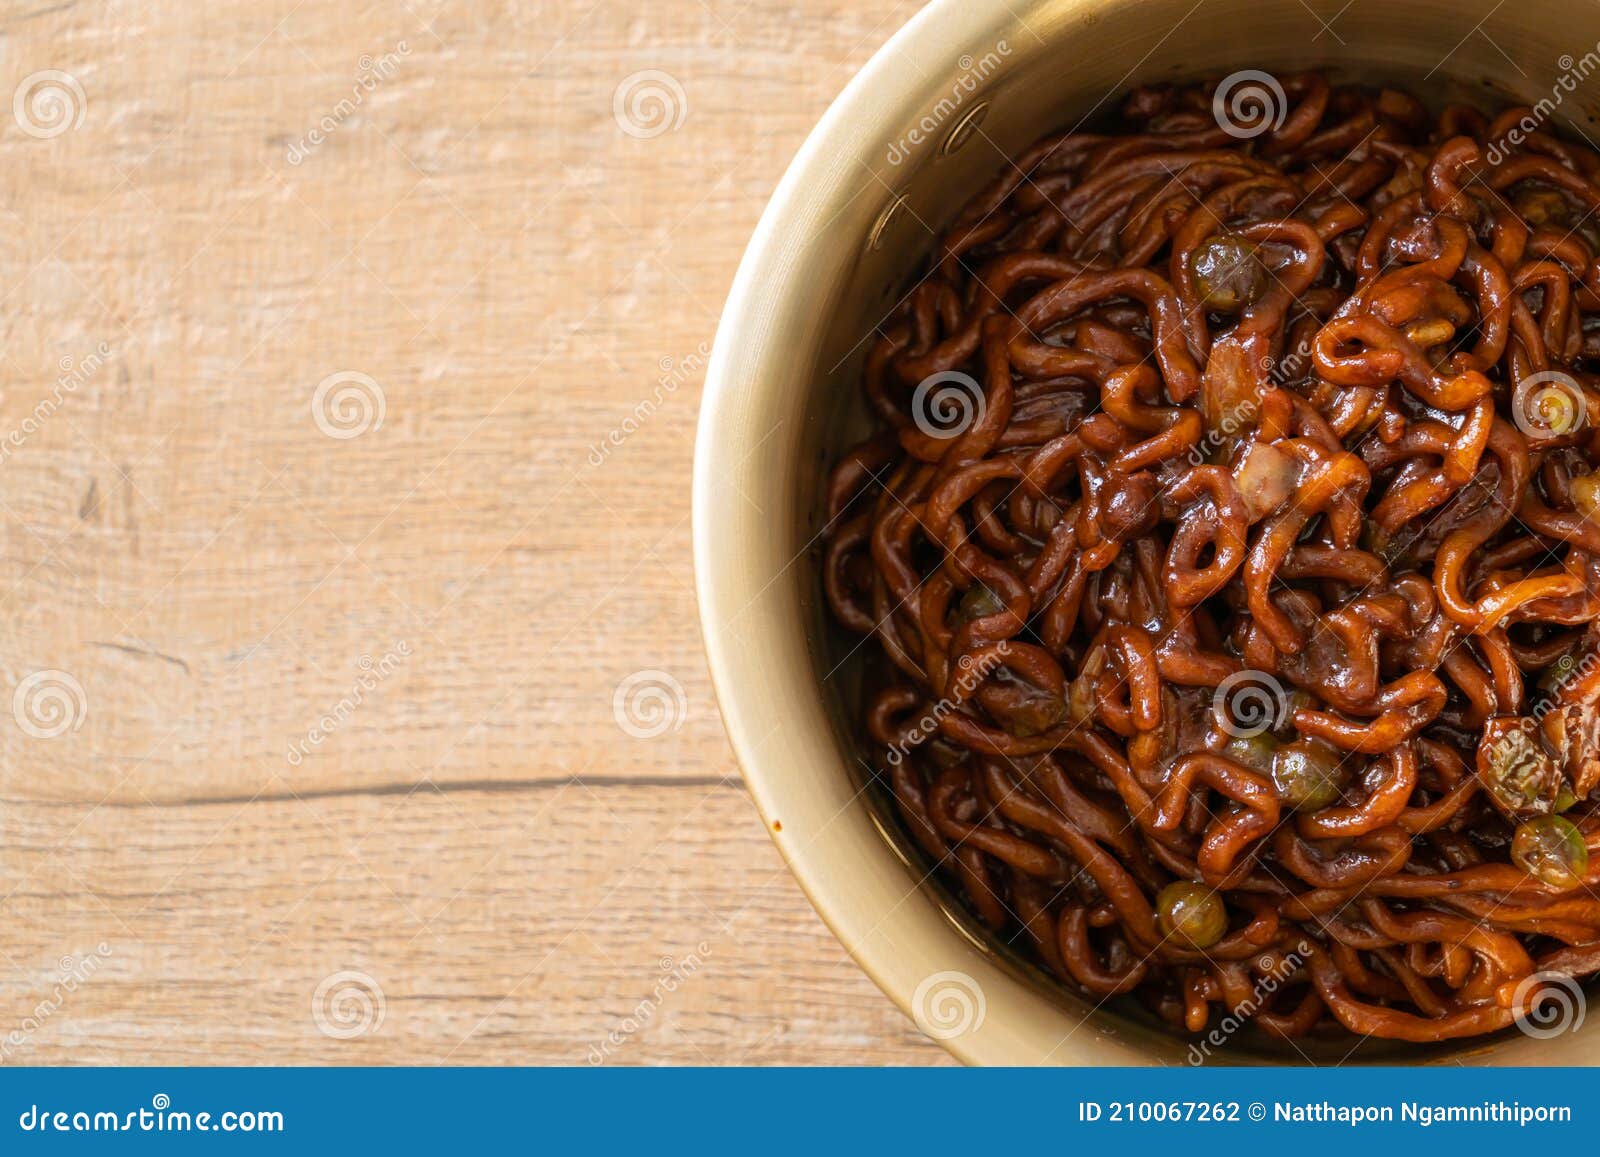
(1228, 541)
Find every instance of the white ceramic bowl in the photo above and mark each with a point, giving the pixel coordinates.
(887, 166)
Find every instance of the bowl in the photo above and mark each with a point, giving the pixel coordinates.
(963, 86)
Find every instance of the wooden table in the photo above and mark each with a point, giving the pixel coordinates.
(323, 567)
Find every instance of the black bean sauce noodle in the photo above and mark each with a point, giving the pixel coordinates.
(1229, 533)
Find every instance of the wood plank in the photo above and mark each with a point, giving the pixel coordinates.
(349, 702)
(526, 925)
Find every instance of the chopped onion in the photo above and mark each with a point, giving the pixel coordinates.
(1585, 491)
(1266, 478)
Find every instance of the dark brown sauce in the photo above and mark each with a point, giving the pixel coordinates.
(1227, 533)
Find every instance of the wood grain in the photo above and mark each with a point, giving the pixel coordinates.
(345, 704)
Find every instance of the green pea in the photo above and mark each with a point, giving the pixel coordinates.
(978, 602)
(1386, 546)
(1228, 273)
(1254, 751)
(1298, 699)
(1308, 776)
(1541, 207)
(1551, 849)
(1556, 676)
(1036, 713)
(1191, 913)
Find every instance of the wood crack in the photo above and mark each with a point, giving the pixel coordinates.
(426, 787)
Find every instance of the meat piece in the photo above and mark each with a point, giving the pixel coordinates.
(1517, 772)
